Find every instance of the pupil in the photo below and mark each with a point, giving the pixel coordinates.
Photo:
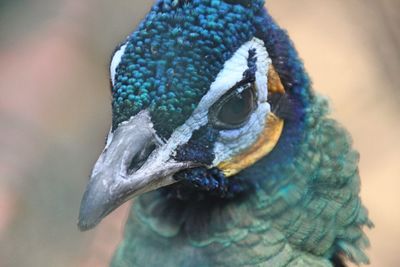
(238, 108)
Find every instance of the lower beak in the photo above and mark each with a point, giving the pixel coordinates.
(131, 164)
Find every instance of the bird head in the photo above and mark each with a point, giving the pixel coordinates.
(194, 87)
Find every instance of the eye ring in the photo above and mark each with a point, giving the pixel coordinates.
(234, 109)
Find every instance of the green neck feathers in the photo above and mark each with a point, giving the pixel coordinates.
(303, 213)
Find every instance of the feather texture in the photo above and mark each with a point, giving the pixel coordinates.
(301, 206)
(300, 214)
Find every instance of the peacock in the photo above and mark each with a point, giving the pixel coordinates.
(232, 156)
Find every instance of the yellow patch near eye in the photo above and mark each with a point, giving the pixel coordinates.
(263, 146)
(274, 82)
(266, 141)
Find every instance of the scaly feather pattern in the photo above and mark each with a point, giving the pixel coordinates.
(300, 205)
(301, 214)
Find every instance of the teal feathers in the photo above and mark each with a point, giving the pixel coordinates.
(302, 214)
(297, 206)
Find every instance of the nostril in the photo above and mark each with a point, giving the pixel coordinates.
(140, 158)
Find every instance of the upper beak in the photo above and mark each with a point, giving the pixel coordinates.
(113, 181)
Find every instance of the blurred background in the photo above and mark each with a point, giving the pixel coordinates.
(55, 112)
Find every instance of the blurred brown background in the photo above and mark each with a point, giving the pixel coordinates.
(55, 113)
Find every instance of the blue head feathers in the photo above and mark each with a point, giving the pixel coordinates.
(170, 61)
(202, 90)
(213, 112)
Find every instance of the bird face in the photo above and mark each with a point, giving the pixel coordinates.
(192, 88)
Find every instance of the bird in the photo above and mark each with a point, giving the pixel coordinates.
(233, 159)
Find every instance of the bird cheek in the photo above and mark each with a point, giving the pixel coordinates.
(264, 144)
(200, 147)
(266, 140)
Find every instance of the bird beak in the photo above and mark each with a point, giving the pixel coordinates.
(125, 170)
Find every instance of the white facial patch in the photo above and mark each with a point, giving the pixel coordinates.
(232, 142)
(115, 62)
(229, 142)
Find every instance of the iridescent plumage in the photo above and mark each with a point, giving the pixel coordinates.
(296, 204)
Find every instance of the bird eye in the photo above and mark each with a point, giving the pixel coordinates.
(235, 108)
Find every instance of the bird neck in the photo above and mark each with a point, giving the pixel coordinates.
(304, 195)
